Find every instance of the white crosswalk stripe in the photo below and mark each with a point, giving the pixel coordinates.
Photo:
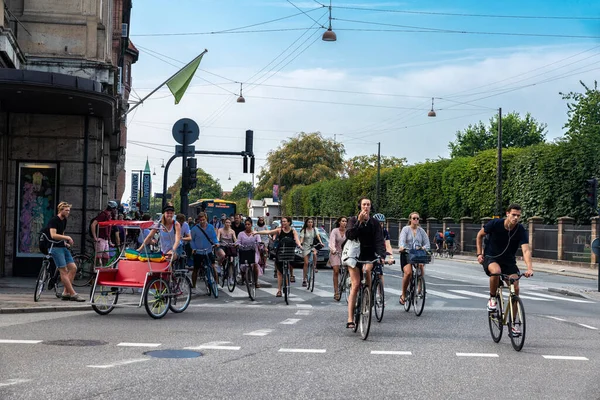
(472, 294)
(549, 296)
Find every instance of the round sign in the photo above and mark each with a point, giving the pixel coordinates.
(596, 246)
(188, 127)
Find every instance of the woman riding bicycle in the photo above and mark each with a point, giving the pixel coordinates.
(264, 240)
(249, 251)
(169, 234)
(336, 238)
(412, 236)
(366, 229)
(308, 234)
(227, 238)
(285, 234)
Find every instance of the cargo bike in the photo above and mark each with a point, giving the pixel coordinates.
(163, 284)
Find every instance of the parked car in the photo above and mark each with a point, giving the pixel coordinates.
(322, 255)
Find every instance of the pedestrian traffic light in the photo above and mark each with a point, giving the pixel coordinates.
(192, 173)
(591, 192)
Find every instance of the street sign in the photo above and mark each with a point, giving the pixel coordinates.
(191, 151)
(192, 131)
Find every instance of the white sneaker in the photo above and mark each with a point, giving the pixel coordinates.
(491, 305)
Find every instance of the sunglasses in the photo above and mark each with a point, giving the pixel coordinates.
(416, 218)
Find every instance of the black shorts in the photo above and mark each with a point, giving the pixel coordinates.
(403, 259)
(505, 268)
(199, 259)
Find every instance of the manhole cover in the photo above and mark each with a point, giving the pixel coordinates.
(75, 342)
(173, 353)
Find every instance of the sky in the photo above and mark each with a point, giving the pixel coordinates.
(375, 84)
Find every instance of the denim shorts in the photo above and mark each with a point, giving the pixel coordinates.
(61, 256)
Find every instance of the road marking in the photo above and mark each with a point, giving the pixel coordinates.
(11, 382)
(575, 358)
(474, 294)
(282, 350)
(556, 318)
(213, 346)
(237, 292)
(303, 312)
(443, 294)
(476, 355)
(304, 305)
(396, 353)
(588, 326)
(532, 298)
(290, 321)
(9, 341)
(119, 363)
(392, 291)
(549, 296)
(297, 299)
(320, 293)
(126, 344)
(438, 277)
(260, 332)
(273, 291)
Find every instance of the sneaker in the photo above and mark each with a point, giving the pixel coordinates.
(491, 306)
(77, 298)
(65, 297)
(515, 330)
(304, 283)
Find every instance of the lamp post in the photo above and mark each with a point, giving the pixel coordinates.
(378, 176)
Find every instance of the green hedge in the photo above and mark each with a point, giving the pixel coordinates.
(546, 179)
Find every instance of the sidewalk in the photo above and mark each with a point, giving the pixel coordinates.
(16, 294)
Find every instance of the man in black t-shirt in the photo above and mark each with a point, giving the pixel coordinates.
(506, 235)
(237, 225)
(60, 253)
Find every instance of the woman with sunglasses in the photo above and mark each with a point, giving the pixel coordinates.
(412, 236)
(169, 234)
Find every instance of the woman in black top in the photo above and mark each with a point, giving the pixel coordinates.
(367, 230)
(285, 233)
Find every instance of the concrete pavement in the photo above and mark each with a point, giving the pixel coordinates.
(16, 294)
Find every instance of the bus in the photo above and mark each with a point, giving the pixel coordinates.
(213, 207)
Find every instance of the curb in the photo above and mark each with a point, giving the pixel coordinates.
(568, 292)
(27, 310)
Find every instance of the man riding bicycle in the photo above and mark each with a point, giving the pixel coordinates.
(448, 239)
(505, 235)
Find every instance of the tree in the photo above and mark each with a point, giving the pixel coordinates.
(306, 158)
(516, 132)
(584, 113)
(358, 164)
(240, 191)
(207, 188)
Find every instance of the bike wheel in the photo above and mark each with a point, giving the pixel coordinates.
(158, 298)
(214, 286)
(419, 294)
(379, 300)
(408, 296)
(181, 293)
(286, 285)
(230, 272)
(41, 280)
(311, 277)
(357, 305)
(516, 319)
(495, 321)
(85, 270)
(104, 299)
(341, 284)
(250, 286)
(365, 313)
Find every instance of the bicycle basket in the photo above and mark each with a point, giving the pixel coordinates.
(286, 250)
(418, 256)
(247, 255)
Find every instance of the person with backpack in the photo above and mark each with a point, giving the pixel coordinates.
(439, 242)
(449, 238)
(101, 236)
(204, 239)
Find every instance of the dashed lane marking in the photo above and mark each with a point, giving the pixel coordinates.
(304, 305)
(213, 346)
(303, 312)
(469, 293)
(127, 344)
(556, 318)
(391, 352)
(444, 295)
(10, 341)
(260, 332)
(11, 382)
(290, 321)
(476, 355)
(574, 358)
(120, 363)
(589, 327)
(549, 296)
(282, 350)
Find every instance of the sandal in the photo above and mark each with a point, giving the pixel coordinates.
(257, 286)
(402, 300)
(336, 297)
(278, 293)
(350, 325)
(292, 279)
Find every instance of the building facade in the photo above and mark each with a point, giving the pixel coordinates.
(64, 87)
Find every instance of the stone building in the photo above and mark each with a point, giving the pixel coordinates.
(64, 86)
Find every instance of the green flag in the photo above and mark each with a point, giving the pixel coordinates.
(179, 82)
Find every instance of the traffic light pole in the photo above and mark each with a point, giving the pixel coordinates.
(183, 193)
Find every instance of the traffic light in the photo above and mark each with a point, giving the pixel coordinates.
(591, 192)
(192, 173)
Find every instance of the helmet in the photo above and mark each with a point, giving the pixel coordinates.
(379, 217)
(112, 205)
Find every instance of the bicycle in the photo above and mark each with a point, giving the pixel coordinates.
(377, 290)
(364, 302)
(228, 270)
(180, 285)
(310, 272)
(212, 286)
(416, 291)
(450, 249)
(286, 253)
(248, 269)
(513, 319)
(343, 283)
(48, 276)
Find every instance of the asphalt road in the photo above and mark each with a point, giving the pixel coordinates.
(265, 349)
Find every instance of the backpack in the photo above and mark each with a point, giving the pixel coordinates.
(350, 252)
(440, 236)
(452, 234)
(44, 244)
